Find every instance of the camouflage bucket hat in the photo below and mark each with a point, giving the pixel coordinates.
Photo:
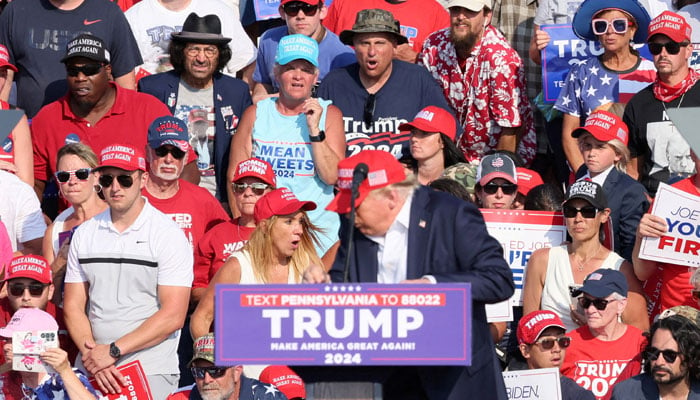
(464, 174)
(374, 21)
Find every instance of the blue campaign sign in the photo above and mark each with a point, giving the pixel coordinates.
(343, 324)
(268, 9)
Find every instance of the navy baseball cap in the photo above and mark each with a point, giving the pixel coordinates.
(602, 283)
(168, 130)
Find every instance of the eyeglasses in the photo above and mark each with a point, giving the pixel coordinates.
(671, 47)
(586, 212)
(214, 372)
(695, 294)
(125, 181)
(292, 9)
(64, 176)
(35, 289)
(87, 69)
(652, 354)
(209, 51)
(507, 188)
(599, 304)
(547, 343)
(619, 25)
(368, 114)
(258, 188)
(163, 151)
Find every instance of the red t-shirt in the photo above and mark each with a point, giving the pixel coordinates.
(193, 208)
(418, 19)
(595, 364)
(215, 247)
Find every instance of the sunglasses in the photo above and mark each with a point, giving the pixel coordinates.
(64, 176)
(619, 25)
(548, 343)
(258, 188)
(214, 372)
(125, 181)
(586, 212)
(507, 188)
(35, 289)
(87, 69)
(599, 304)
(671, 47)
(292, 9)
(163, 151)
(652, 354)
(368, 113)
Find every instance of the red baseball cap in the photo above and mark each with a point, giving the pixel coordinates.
(122, 156)
(527, 179)
(286, 380)
(433, 119)
(604, 126)
(533, 324)
(672, 25)
(384, 169)
(280, 202)
(5, 59)
(256, 168)
(32, 267)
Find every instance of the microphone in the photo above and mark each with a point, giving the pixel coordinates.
(359, 174)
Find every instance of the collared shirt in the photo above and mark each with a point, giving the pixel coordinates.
(600, 178)
(392, 255)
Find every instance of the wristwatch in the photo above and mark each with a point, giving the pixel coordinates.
(318, 138)
(114, 351)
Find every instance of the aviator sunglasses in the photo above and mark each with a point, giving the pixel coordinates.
(292, 9)
(586, 211)
(548, 343)
(672, 47)
(507, 188)
(619, 25)
(653, 353)
(35, 289)
(214, 372)
(258, 188)
(87, 69)
(64, 176)
(125, 181)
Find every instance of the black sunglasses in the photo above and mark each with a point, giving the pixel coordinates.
(125, 181)
(258, 188)
(35, 289)
(652, 354)
(599, 304)
(214, 372)
(548, 343)
(163, 151)
(87, 69)
(368, 114)
(586, 211)
(292, 9)
(507, 188)
(671, 47)
(64, 176)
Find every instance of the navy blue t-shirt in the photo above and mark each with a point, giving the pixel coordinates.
(409, 89)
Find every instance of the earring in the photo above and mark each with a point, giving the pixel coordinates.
(97, 188)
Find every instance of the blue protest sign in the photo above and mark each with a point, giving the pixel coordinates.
(343, 324)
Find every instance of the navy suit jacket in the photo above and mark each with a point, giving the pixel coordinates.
(231, 98)
(627, 202)
(447, 239)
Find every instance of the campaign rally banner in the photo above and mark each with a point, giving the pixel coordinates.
(137, 385)
(521, 233)
(268, 9)
(540, 383)
(344, 324)
(681, 244)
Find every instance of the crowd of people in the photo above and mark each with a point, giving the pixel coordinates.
(161, 152)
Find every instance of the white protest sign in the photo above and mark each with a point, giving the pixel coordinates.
(681, 244)
(540, 383)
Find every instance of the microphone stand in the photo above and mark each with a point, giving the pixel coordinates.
(351, 233)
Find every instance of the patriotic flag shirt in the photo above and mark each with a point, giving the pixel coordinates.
(590, 84)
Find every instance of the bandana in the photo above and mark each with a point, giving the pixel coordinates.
(667, 93)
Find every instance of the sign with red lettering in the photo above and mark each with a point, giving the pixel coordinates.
(681, 243)
(137, 386)
(343, 324)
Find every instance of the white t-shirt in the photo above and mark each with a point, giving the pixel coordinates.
(20, 210)
(152, 25)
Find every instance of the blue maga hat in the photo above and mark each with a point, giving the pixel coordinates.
(584, 15)
(297, 47)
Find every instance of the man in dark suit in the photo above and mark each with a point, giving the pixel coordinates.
(406, 233)
(196, 92)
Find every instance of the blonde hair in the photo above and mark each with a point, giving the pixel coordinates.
(618, 147)
(80, 150)
(260, 248)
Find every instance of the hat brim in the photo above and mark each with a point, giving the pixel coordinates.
(5, 64)
(341, 202)
(253, 175)
(347, 36)
(591, 201)
(4, 332)
(128, 168)
(204, 38)
(581, 23)
(498, 174)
